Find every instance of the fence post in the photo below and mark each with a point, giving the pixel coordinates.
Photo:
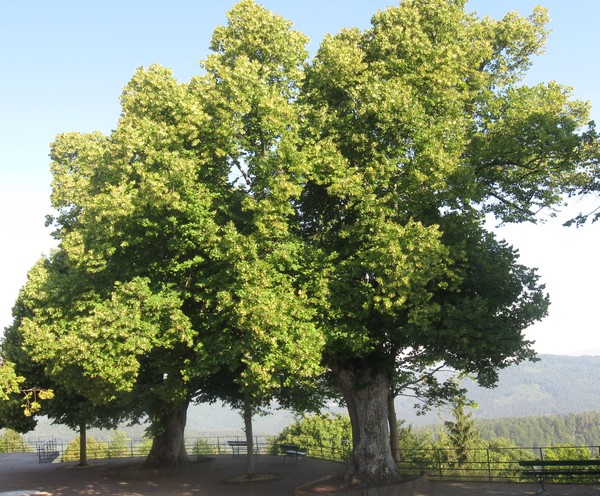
(439, 457)
(489, 464)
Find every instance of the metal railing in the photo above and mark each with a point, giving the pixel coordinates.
(47, 451)
(491, 464)
(61, 451)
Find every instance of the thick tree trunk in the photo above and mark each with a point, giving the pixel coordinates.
(366, 396)
(393, 424)
(168, 444)
(249, 438)
(82, 444)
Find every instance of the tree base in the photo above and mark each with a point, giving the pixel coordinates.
(339, 485)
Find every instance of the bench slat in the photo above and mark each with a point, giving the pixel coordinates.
(561, 472)
(540, 471)
(292, 450)
(558, 463)
(237, 446)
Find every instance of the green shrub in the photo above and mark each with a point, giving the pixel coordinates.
(327, 436)
(94, 449)
(12, 442)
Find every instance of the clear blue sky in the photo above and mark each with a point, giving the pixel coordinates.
(65, 62)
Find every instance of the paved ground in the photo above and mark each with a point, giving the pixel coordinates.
(507, 489)
(20, 474)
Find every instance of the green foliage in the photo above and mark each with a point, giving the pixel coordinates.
(502, 451)
(552, 385)
(47, 391)
(12, 442)
(462, 434)
(388, 132)
(11, 386)
(118, 445)
(182, 269)
(331, 432)
(203, 447)
(95, 449)
(547, 430)
(409, 439)
(9, 381)
(459, 450)
(142, 448)
(415, 447)
(238, 235)
(568, 452)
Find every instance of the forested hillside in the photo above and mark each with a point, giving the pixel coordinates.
(553, 385)
(525, 403)
(547, 430)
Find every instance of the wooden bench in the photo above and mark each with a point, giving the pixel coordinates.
(238, 447)
(292, 450)
(543, 468)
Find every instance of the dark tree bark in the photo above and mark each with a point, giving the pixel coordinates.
(168, 444)
(249, 436)
(82, 444)
(393, 424)
(366, 395)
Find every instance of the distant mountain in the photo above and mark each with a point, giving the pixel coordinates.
(581, 429)
(553, 385)
(221, 419)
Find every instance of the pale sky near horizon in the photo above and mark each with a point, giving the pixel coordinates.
(65, 63)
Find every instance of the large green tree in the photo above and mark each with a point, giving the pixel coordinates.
(103, 315)
(275, 216)
(418, 128)
(264, 287)
(462, 432)
(176, 261)
(67, 404)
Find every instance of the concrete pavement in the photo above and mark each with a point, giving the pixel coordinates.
(20, 474)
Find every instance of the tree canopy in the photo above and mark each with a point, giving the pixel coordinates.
(279, 219)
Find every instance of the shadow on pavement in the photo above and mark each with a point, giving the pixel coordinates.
(20, 474)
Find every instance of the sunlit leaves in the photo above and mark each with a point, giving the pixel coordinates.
(274, 216)
(527, 151)
(9, 381)
(258, 35)
(32, 398)
(11, 389)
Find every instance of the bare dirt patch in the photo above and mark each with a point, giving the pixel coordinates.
(338, 484)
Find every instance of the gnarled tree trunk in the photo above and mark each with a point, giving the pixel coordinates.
(366, 395)
(168, 444)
